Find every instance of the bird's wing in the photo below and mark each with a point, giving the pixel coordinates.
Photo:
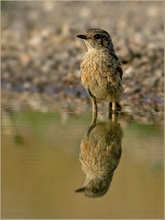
(118, 67)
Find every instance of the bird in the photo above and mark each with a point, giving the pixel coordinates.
(101, 70)
(99, 156)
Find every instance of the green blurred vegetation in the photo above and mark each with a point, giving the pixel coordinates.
(39, 121)
(145, 130)
(8, 5)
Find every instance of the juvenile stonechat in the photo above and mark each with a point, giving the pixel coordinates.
(101, 71)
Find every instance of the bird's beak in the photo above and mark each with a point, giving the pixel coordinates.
(84, 37)
(80, 189)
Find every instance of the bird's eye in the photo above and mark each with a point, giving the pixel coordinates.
(95, 190)
(97, 36)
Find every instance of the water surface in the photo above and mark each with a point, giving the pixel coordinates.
(41, 169)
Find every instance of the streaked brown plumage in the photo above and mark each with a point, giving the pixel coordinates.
(100, 153)
(101, 71)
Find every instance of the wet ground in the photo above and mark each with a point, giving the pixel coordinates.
(41, 54)
(41, 168)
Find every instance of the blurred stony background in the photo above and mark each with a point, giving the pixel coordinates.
(40, 54)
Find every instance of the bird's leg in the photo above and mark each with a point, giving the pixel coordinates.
(110, 106)
(94, 114)
(112, 110)
(94, 109)
(113, 116)
(113, 107)
(118, 106)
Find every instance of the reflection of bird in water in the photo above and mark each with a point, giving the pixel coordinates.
(100, 153)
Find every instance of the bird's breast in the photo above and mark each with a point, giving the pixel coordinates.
(96, 62)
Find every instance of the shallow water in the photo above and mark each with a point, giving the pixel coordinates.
(41, 168)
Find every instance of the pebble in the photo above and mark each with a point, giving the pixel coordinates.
(128, 73)
(40, 50)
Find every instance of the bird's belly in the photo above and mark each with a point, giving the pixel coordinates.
(97, 88)
(101, 88)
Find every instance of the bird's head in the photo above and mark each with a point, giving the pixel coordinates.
(97, 39)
